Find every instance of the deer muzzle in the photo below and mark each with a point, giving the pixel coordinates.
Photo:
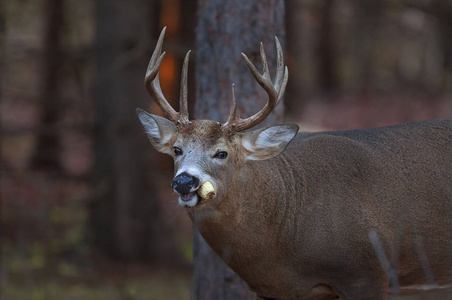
(185, 184)
(188, 188)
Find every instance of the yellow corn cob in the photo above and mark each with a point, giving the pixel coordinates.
(207, 191)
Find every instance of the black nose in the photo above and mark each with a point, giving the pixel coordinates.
(184, 182)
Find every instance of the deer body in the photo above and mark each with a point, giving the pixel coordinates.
(307, 213)
(313, 215)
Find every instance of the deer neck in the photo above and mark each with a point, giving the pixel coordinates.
(256, 198)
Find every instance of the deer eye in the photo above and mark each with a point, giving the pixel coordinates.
(177, 151)
(221, 155)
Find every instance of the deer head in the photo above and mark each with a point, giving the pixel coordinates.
(205, 150)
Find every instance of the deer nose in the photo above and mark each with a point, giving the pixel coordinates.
(184, 182)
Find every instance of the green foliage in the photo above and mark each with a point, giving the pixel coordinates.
(148, 288)
(45, 254)
(32, 274)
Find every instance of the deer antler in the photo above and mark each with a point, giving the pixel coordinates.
(153, 84)
(275, 91)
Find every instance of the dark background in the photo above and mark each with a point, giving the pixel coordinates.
(82, 217)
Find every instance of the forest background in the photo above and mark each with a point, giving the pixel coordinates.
(68, 229)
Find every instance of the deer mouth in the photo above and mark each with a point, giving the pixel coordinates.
(187, 196)
(189, 199)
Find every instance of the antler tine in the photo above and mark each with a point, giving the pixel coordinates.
(183, 104)
(274, 91)
(232, 113)
(153, 84)
(282, 73)
(265, 70)
(155, 61)
(280, 64)
(282, 88)
(264, 79)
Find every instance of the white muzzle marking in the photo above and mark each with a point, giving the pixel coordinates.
(194, 198)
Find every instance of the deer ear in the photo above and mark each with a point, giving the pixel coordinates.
(160, 131)
(268, 142)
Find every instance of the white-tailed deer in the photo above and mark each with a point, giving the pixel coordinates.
(352, 214)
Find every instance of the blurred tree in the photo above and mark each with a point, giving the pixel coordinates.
(368, 17)
(327, 49)
(443, 11)
(125, 220)
(294, 49)
(224, 29)
(187, 36)
(47, 151)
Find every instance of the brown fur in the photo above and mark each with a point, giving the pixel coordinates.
(297, 226)
(309, 222)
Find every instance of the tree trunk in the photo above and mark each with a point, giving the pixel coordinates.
(326, 47)
(224, 29)
(46, 154)
(125, 214)
(368, 15)
(443, 10)
(294, 47)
